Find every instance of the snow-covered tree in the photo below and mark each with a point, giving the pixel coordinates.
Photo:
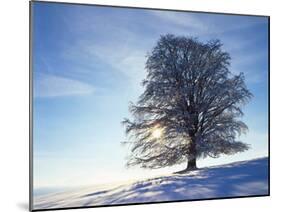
(190, 107)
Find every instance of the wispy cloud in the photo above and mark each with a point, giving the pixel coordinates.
(200, 24)
(126, 60)
(186, 20)
(121, 49)
(47, 85)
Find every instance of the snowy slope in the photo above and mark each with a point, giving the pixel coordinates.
(235, 179)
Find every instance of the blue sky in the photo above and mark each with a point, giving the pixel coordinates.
(88, 63)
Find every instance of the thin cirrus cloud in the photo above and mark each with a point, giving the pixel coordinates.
(48, 85)
(200, 24)
(122, 55)
(181, 20)
(128, 61)
(126, 52)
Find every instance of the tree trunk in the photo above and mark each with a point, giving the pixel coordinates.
(191, 164)
(191, 159)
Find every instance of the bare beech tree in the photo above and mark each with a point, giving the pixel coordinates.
(190, 107)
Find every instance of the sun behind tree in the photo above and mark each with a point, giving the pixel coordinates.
(157, 132)
(191, 104)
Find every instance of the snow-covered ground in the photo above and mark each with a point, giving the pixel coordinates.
(236, 179)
